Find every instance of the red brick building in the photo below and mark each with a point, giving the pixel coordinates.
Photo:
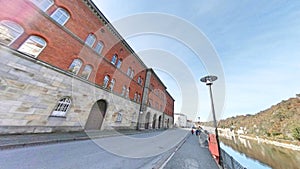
(75, 38)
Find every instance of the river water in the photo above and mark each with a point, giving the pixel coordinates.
(254, 155)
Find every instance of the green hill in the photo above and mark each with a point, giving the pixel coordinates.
(281, 121)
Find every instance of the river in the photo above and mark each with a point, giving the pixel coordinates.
(254, 155)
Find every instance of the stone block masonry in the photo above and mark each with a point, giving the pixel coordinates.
(30, 89)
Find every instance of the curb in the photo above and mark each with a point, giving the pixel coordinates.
(54, 141)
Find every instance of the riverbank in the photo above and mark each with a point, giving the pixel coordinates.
(276, 143)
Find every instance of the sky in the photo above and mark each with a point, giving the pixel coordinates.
(252, 46)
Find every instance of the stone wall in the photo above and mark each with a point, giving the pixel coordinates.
(30, 89)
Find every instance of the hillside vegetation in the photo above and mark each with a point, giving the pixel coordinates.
(281, 121)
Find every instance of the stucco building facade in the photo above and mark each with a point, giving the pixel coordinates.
(64, 67)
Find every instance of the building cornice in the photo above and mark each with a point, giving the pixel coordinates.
(111, 28)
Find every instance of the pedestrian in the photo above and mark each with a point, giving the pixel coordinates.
(192, 132)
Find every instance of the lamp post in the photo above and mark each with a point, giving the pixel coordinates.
(208, 80)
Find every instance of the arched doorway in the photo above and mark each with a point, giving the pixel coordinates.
(154, 121)
(168, 123)
(147, 120)
(159, 122)
(96, 116)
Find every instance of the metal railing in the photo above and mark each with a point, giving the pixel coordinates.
(229, 162)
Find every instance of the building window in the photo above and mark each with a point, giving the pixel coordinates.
(43, 4)
(9, 32)
(90, 40)
(33, 46)
(60, 15)
(135, 96)
(140, 81)
(75, 66)
(150, 102)
(112, 84)
(105, 81)
(119, 117)
(132, 74)
(99, 47)
(62, 107)
(123, 90)
(119, 63)
(139, 98)
(114, 59)
(86, 71)
(127, 92)
(129, 71)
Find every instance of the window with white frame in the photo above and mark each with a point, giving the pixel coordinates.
(119, 117)
(33, 46)
(132, 74)
(62, 107)
(86, 71)
(9, 32)
(43, 4)
(135, 96)
(139, 98)
(119, 63)
(99, 47)
(90, 40)
(114, 59)
(75, 66)
(139, 80)
(129, 71)
(123, 90)
(105, 81)
(127, 92)
(61, 16)
(112, 84)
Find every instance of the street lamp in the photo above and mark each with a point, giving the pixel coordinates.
(209, 81)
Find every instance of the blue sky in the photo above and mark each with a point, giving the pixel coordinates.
(257, 43)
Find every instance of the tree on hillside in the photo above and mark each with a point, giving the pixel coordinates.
(296, 133)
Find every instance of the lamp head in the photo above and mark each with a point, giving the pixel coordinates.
(208, 80)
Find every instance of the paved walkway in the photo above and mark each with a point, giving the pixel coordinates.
(20, 140)
(192, 155)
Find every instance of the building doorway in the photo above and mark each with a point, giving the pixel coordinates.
(154, 122)
(147, 120)
(96, 116)
(159, 122)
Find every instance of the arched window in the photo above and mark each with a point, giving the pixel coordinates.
(99, 47)
(75, 66)
(105, 81)
(60, 15)
(43, 4)
(139, 80)
(112, 84)
(123, 90)
(9, 32)
(127, 92)
(62, 107)
(132, 74)
(90, 40)
(33, 46)
(139, 98)
(86, 71)
(119, 63)
(129, 71)
(135, 96)
(114, 59)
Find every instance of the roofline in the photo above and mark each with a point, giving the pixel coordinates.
(100, 15)
(150, 69)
